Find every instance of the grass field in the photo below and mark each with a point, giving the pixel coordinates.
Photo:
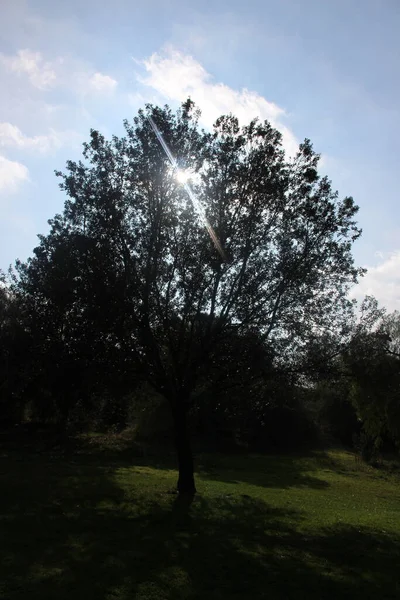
(105, 525)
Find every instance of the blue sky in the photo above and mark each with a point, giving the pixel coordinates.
(325, 70)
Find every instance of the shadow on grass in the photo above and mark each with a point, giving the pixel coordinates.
(70, 530)
(284, 471)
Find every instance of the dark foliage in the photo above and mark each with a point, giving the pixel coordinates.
(136, 282)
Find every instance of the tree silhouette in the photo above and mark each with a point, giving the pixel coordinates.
(130, 270)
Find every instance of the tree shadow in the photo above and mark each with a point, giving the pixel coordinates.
(71, 530)
(283, 471)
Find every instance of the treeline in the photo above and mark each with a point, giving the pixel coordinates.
(218, 306)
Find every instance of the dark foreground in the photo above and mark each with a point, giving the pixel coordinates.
(105, 526)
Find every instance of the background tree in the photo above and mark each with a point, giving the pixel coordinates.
(374, 363)
(146, 277)
(70, 297)
(14, 355)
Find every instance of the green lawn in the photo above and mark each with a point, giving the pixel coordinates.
(104, 526)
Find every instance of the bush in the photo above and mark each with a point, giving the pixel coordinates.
(150, 415)
(281, 428)
(269, 418)
(367, 447)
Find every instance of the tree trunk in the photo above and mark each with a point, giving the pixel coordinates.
(186, 483)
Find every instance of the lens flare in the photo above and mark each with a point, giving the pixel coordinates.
(183, 177)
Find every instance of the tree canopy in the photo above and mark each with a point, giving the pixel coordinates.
(152, 279)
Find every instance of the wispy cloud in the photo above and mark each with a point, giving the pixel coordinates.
(60, 71)
(175, 76)
(40, 73)
(102, 83)
(382, 281)
(12, 174)
(12, 137)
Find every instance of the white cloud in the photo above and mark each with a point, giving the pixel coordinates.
(382, 281)
(41, 74)
(12, 137)
(70, 73)
(12, 174)
(102, 83)
(176, 76)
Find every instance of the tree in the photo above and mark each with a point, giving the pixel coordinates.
(261, 242)
(231, 384)
(70, 297)
(14, 352)
(373, 361)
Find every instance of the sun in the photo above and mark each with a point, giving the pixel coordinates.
(182, 176)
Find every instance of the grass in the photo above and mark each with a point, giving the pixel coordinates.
(105, 526)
